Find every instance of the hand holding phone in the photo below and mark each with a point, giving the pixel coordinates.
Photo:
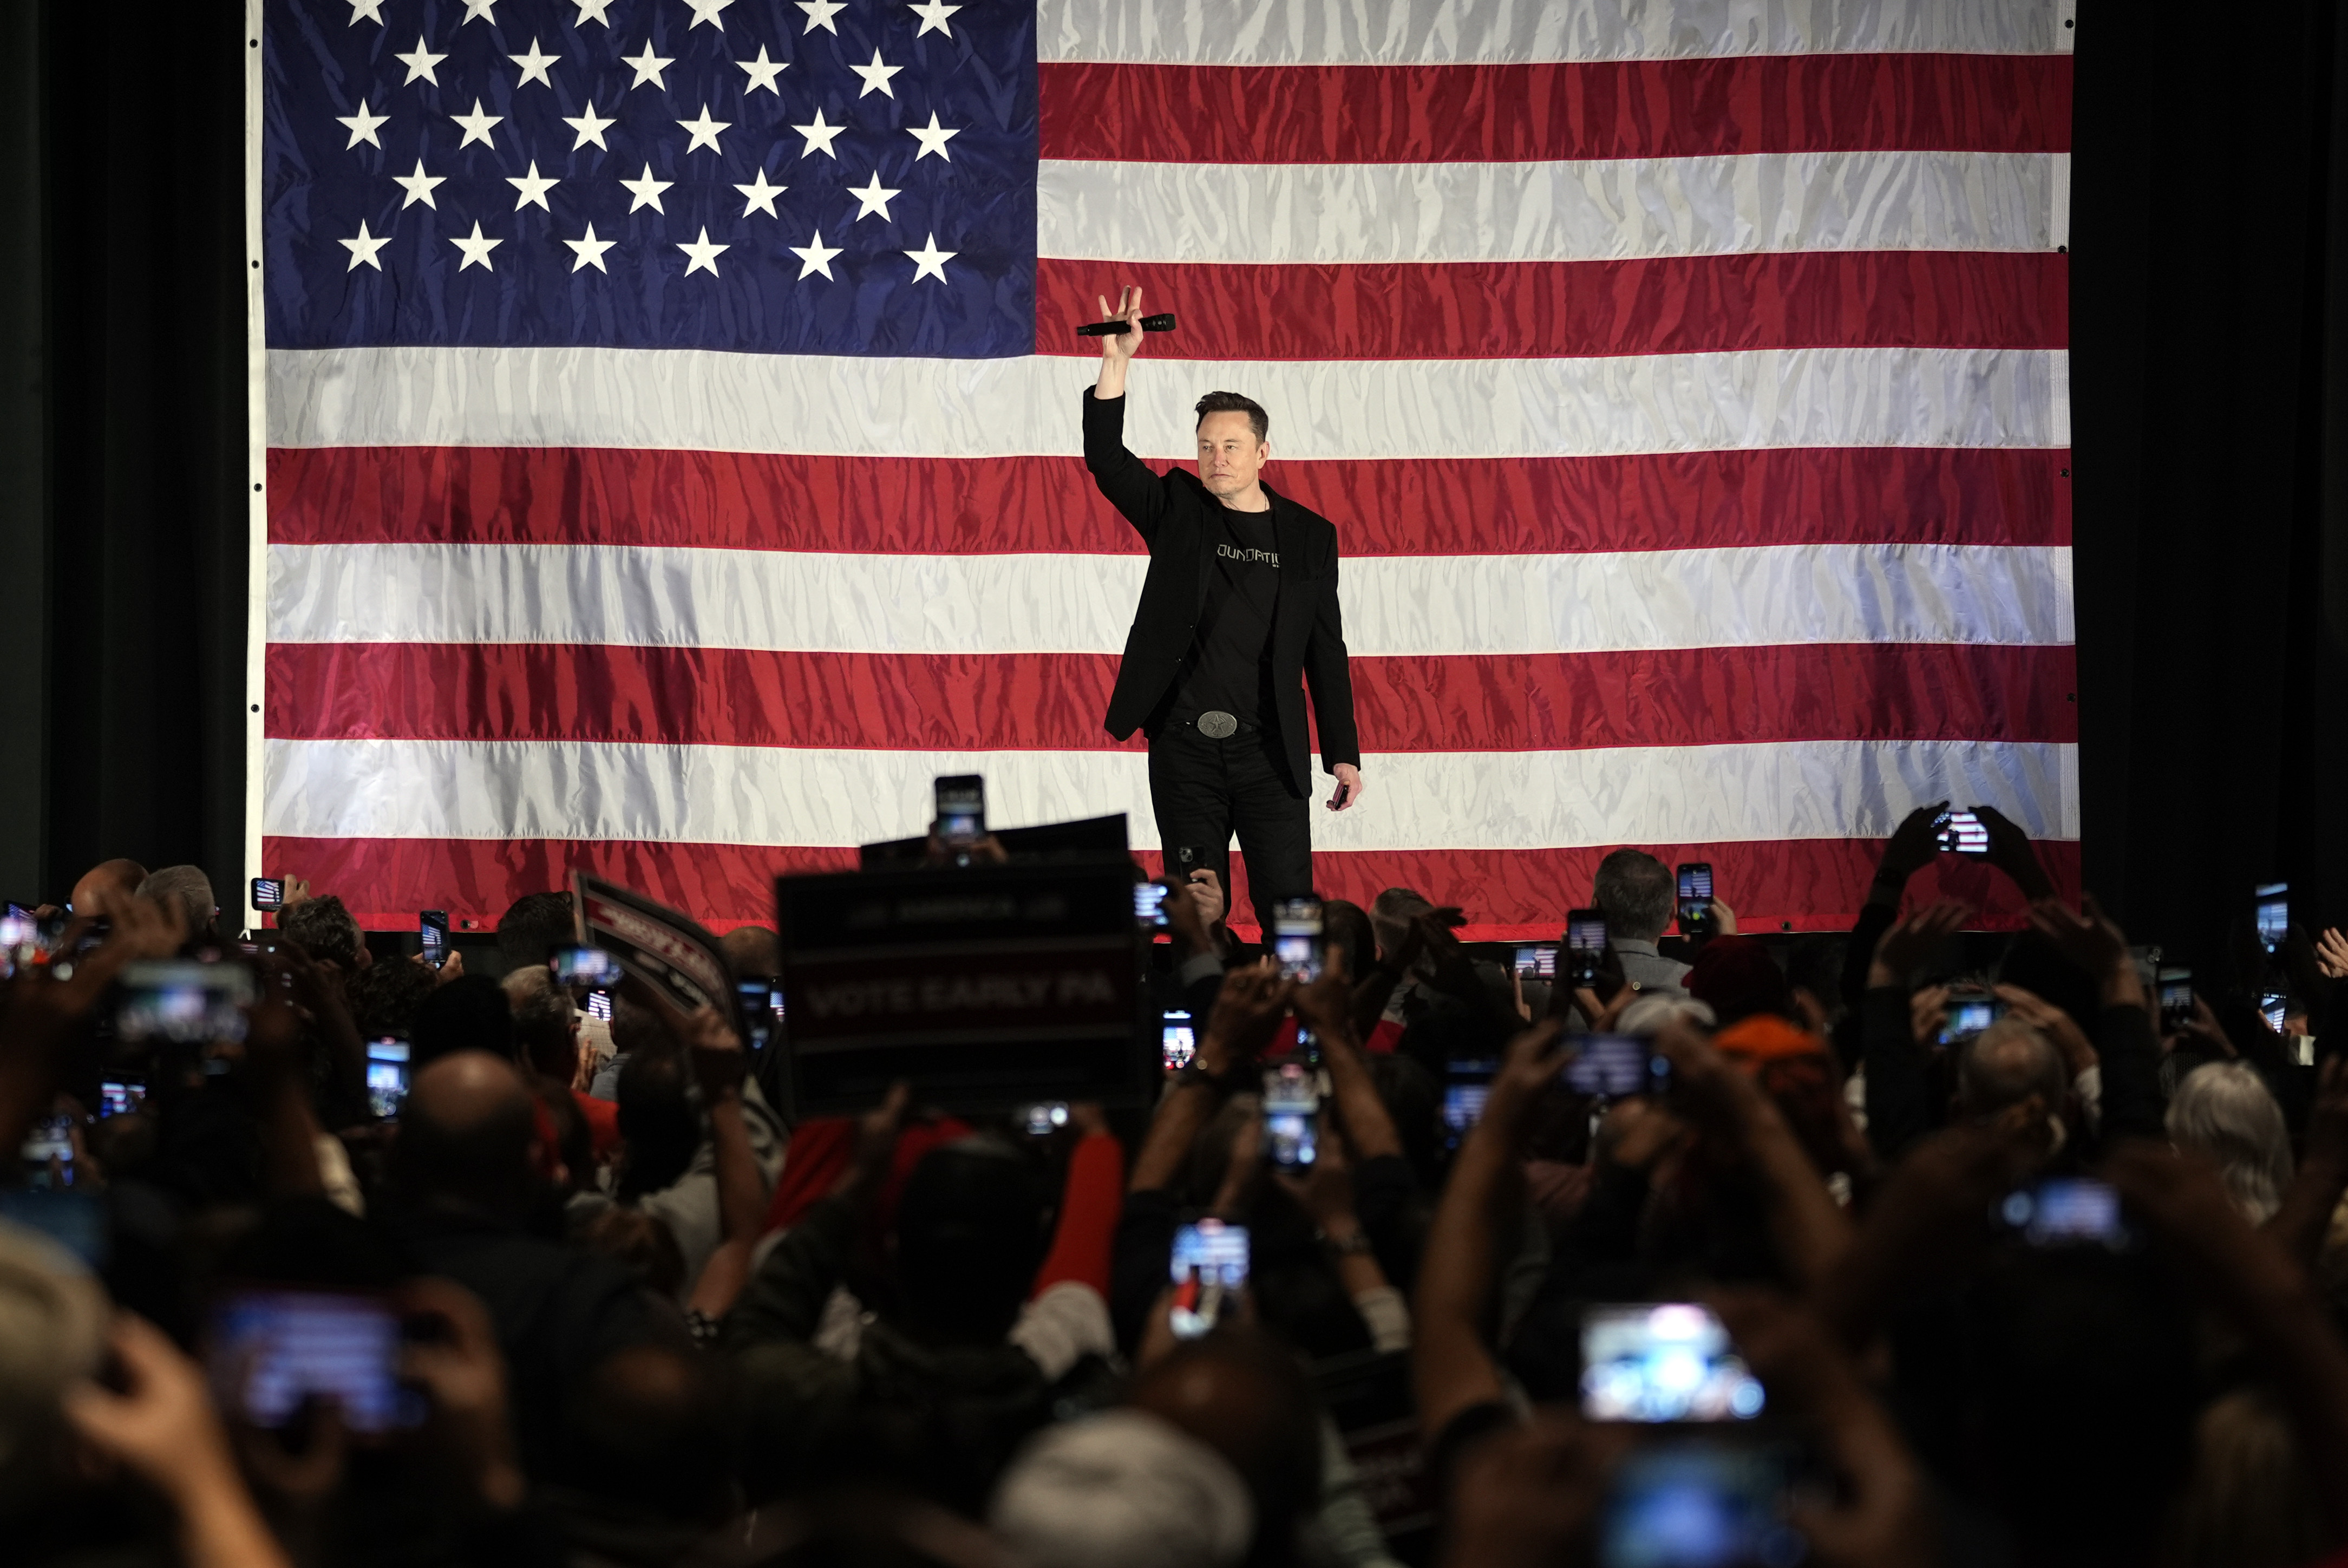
(432, 927)
(961, 802)
(1291, 1115)
(1696, 919)
(1209, 1267)
(1585, 946)
(268, 894)
(2271, 912)
(1296, 943)
(1962, 834)
(274, 1349)
(1667, 1362)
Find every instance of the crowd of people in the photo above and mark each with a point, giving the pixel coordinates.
(1849, 1273)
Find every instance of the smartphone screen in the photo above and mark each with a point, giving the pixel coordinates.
(182, 1002)
(589, 966)
(1149, 904)
(2274, 1006)
(1970, 1013)
(433, 926)
(1695, 897)
(755, 997)
(2066, 1210)
(1179, 1045)
(268, 892)
(2273, 914)
(599, 1005)
(1615, 1066)
(1046, 1117)
(48, 1151)
(1962, 834)
(961, 801)
(1292, 1115)
(1210, 1264)
(1585, 944)
(1670, 1362)
(270, 1349)
(1467, 1084)
(1699, 1505)
(386, 1075)
(2176, 989)
(1296, 939)
(120, 1095)
(1537, 961)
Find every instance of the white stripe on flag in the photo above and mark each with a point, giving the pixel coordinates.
(1594, 209)
(645, 597)
(700, 400)
(1413, 32)
(1497, 800)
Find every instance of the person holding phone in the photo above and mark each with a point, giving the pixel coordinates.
(1639, 897)
(1238, 613)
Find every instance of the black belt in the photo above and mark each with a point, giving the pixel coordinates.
(1217, 725)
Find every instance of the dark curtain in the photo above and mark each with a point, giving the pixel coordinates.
(2210, 386)
(143, 510)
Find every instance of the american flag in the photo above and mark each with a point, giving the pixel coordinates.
(673, 425)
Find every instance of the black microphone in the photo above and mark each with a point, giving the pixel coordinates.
(1116, 328)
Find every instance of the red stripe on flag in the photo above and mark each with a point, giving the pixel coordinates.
(1514, 113)
(1053, 702)
(1533, 310)
(1814, 884)
(747, 500)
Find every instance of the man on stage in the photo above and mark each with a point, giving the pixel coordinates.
(1240, 602)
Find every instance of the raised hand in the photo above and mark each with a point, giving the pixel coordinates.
(2332, 954)
(1913, 940)
(1117, 351)
(1914, 842)
(2087, 938)
(1248, 1011)
(2010, 851)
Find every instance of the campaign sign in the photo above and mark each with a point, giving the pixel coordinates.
(667, 951)
(985, 987)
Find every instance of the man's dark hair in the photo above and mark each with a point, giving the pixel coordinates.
(972, 1230)
(658, 1120)
(1636, 891)
(535, 924)
(1346, 925)
(326, 930)
(1236, 403)
(384, 997)
(467, 1014)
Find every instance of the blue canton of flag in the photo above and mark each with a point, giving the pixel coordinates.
(765, 176)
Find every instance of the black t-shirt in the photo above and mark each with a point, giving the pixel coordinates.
(1229, 668)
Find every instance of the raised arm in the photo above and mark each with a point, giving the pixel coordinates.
(1123, 478)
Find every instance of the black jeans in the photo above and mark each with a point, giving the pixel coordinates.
(1203, 790)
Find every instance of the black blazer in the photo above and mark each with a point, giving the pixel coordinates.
(1308, 635)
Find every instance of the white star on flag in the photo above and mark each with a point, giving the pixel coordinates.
(705, 254)
(935, 14)
(362, 125)
(648, 67)
(707, 11)
(370, 9)
(932, 140)
(593, 11)
(534, 189)
(479, 8)
(705, 130)
(929, 262)
(814, 256)
(872, 199)
(819, 14)
(477, 126)
(763, 72)
(876, 75)
(819, 133)
(590, 128)
(533, 66)
(590, 251)
(760, 194)
(420, 63)
(364, 248)
(419, 186)
(647, 190)
(477, 249)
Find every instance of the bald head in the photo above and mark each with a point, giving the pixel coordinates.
(2004, 1065)
(752, 951)
(469, 1135)
(1240, 1394)
(115, 878)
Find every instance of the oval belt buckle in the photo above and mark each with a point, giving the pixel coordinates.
(1218, 726)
